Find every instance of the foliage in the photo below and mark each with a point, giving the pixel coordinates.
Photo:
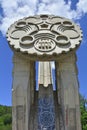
(83, 108)
(5, 110)
(5, 118)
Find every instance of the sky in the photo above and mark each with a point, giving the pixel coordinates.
(12, 10)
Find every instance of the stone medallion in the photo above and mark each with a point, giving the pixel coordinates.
(44, 34)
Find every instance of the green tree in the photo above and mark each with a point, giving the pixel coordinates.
(7, 119)
(5, 110)
(83, 108)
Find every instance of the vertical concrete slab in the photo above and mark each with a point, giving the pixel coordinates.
(20, 92)
(68, 91)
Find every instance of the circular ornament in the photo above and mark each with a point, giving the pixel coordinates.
(16, 34)
(68, 24)
(62, 40)
(71, 33)
(43, 36)
(20, 24)
(26, 40)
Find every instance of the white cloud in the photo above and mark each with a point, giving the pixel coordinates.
(16, 9)
(82, 6)
(58, 8)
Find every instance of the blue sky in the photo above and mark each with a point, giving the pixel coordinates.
(12, 10)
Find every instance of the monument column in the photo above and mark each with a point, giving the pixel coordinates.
(22, 93)
(68, 91)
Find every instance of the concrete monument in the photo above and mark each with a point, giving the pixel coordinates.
(45, 38)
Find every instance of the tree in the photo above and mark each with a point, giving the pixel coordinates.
(5, 110)
(7, 119)
(83, 108)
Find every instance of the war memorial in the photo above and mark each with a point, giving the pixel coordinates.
(45, 38)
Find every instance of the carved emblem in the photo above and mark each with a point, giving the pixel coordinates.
(44, 34)
(44, 44)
